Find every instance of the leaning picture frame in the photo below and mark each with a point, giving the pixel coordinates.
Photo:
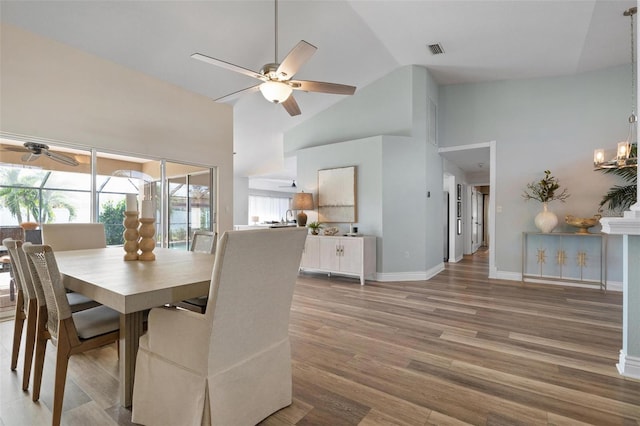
(337, 195)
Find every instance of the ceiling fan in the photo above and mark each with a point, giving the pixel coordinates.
(34, 150)
(277, 84)
(292, 186)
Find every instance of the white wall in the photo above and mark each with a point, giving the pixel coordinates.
(240, 201)
(551, 123)
(52, 91)
(383, 130)
(366, 155)
(382, 108)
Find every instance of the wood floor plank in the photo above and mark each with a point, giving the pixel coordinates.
(457, 349)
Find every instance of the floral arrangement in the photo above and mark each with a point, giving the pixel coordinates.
(545, 190)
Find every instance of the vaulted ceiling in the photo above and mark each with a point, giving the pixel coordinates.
(358, 42)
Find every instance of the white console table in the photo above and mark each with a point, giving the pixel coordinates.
(344, 255)
(565, 257)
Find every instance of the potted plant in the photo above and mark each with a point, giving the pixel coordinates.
(545, 190)
(315, 227)
(621, 197)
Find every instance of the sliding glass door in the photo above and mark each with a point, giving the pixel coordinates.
(191, 204)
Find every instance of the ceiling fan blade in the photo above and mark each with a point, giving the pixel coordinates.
(238, 93)
(322, 87)
(291, 106)
(30, 156)
(227, 65)
(298, 56)
(14, 149)
(61, 158)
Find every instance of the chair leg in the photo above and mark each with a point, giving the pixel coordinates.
(41, 348)
(62, 363)
(17, 330)
(12, 286)
(32, 318)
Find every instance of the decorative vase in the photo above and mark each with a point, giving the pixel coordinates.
(546, 220)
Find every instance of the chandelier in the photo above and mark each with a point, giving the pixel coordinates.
(627, 152)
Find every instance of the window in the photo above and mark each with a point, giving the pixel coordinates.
(267, 208)
(36, 188)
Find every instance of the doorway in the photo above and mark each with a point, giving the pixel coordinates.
(475, 166)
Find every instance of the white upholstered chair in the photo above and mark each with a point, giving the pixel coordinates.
(203, 242)
(232, 365)
(71, 333)
(74, 236)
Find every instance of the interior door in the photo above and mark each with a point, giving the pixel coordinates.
(477, 219)
(474, 220)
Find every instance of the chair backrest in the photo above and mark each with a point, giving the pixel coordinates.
(74, 236)
(42, 260)
(252, 284)
(20, 268)
(31, 278)
(204, 242)
(13, 232)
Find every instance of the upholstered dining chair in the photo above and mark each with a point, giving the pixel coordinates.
(232, 365)
(202, 242)
(74, 236)
(71, 333)
(29, 307)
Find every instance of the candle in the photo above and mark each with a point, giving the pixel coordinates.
(147, 209)
(132, 203)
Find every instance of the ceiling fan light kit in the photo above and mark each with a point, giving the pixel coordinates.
(277, 86)
(275, 92)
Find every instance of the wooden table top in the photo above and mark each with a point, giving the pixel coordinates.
(131, 286)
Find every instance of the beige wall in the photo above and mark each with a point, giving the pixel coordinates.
(52, 91)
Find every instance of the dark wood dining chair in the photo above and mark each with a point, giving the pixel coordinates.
(15, 233)
(28, 308)
(71, 333)
(202, 242)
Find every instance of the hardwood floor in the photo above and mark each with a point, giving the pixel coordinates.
(457, 349)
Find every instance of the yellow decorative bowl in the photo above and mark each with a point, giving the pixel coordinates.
(582, 223)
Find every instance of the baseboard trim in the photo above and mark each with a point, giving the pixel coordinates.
(410, 276)
(505, 275)
(629, 366)
(517, 276)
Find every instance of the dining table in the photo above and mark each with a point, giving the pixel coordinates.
(133, 287)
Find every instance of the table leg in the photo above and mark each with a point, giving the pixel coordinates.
(130, 332)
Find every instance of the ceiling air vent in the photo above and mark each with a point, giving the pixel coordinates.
(436, 49)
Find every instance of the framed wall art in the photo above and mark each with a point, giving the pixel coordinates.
(337, 195)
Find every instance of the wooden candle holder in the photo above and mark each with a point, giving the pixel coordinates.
(147, 242)
(130, 235)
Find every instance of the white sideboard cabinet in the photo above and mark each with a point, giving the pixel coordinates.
(352, 256)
